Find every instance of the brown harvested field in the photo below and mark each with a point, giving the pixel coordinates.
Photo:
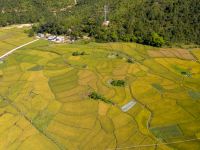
(172, 53)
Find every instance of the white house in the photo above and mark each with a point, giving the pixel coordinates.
(60, 39)
(51, 38)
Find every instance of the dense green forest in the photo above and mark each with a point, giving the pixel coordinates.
(30, 11)
(152, 22)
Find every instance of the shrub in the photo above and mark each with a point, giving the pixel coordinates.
(156, 40)
(30, 32)
(120, 83)
(95, 96)
(130, 60)
(78, 53)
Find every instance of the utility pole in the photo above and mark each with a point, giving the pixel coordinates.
(105, 12)
(106, 22)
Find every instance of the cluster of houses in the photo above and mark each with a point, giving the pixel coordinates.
(54, 38)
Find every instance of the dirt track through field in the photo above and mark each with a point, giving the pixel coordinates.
(13, 50)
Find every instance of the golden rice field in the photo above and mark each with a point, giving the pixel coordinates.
(44, 103)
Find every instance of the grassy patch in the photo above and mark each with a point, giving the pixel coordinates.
(166, 132)
(27, 58)
(42, 120)
(158, 87)
(58, 60)
(36, 68)
(195, 95)
(181, 71)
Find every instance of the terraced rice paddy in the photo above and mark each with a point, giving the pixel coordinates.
(44, 101)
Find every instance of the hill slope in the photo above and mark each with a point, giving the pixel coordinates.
(136, 20)
(144, 21)
(24, 11)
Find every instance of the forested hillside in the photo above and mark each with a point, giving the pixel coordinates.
(29, 11)
(152, 22)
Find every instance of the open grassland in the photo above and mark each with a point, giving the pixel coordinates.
(44, 101)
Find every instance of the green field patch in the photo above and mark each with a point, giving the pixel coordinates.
(43, 119)
(181, 70)
(166, 132)
(158, 87)
(52, 72)
(36, 68)
(58, 60)
(52, 67)
(64, 87)
(27, 58)
(194, 95)
(64, 82)
(16, 89)
(66, 76)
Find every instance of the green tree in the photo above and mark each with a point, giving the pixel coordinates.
(156, 40)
